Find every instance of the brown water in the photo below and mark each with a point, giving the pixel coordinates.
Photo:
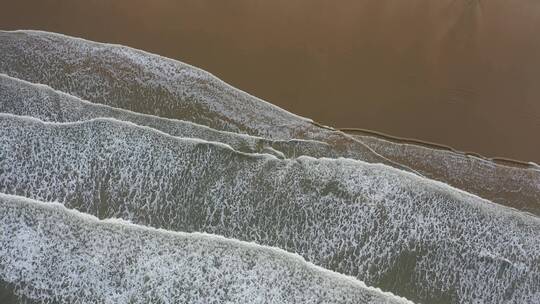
(459, 72)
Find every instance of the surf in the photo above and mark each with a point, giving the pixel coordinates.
(389, 228)
(52, 254)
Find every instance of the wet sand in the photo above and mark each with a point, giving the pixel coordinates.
(463, 73)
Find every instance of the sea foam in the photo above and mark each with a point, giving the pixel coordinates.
(412, 236)
(54, 255)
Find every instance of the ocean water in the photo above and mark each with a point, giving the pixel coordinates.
(54, 255)
(403, 233)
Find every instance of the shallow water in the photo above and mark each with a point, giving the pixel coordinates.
(459, 72)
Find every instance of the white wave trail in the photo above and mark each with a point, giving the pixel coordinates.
(52, 254)
(412, 236)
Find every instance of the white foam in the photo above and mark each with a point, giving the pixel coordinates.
(71, 256)
(386, 227)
